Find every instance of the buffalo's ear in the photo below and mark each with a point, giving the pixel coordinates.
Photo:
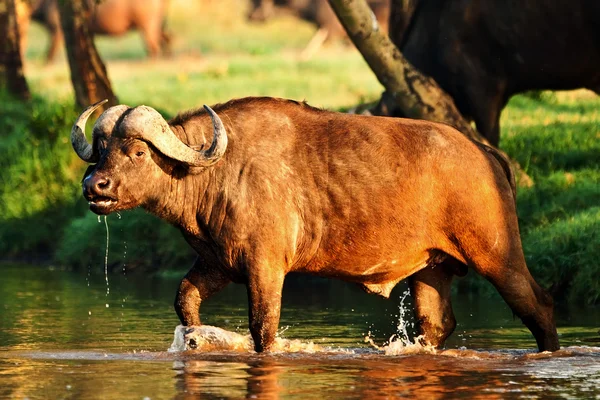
(181, 170)
(190, 170)
(194, 170)
(88, 171)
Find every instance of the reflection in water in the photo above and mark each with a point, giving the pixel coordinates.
(259, 379)
(468, 374)
(59, 340)
(571, 373)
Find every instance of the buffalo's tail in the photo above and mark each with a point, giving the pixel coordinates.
(505, 164)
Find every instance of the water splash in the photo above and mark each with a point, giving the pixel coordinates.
(400, 342)
(211, 338)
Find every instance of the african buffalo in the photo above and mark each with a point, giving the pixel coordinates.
(484, 51)
(261, 187)
(111, 17)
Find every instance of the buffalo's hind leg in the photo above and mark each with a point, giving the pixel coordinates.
(199, 284)
(430, 288)
(532, 304)
(501, 261)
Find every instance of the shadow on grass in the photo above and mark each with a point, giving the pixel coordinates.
(545, 148)
(549, 101)
(558, 196)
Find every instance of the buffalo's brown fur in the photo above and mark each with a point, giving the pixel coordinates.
(369, 200)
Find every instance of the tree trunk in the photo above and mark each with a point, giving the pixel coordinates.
(12, 77)
(417, 95)
(88, 73)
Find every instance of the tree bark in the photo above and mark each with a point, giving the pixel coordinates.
(88, 73)
(12, 77)
(417, 95)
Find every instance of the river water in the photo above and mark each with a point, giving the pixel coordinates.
(64, 336)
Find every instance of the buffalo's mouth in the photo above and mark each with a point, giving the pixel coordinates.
(101, 204)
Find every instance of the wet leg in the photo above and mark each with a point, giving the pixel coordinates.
(199, 283)
(527, 300)
(264, 294)
(430, 288)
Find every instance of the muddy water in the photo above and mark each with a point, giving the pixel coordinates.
(63, 336)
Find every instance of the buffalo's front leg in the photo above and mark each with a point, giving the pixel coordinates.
(202, 281)
(264, 294)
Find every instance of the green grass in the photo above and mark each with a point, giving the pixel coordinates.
(218, 56)
(38, 176)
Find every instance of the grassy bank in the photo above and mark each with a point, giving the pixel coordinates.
(218, 56)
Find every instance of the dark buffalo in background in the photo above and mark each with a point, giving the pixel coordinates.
(316, 11)
(109, 17)
(484, 51)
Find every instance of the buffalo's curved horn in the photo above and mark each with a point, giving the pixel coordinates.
(146, 123)
(82, 147)
(105, 124)
(219, 143)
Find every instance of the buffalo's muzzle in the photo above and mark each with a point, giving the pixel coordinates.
(97, 189)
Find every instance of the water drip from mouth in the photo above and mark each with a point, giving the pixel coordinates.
(106, 255)
(125, 258)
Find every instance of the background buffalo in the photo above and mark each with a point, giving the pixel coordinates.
(108, 17)
(483, 52)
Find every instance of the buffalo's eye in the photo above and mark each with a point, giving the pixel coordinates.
(139, 153)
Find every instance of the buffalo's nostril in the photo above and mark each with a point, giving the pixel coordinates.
(102, 184)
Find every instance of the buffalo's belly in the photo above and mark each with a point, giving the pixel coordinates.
(370, 268)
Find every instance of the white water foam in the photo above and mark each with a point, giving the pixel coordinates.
(211, 338)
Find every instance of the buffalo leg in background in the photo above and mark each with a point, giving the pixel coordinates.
(430, 288)
(153, 36)
(486, 101)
